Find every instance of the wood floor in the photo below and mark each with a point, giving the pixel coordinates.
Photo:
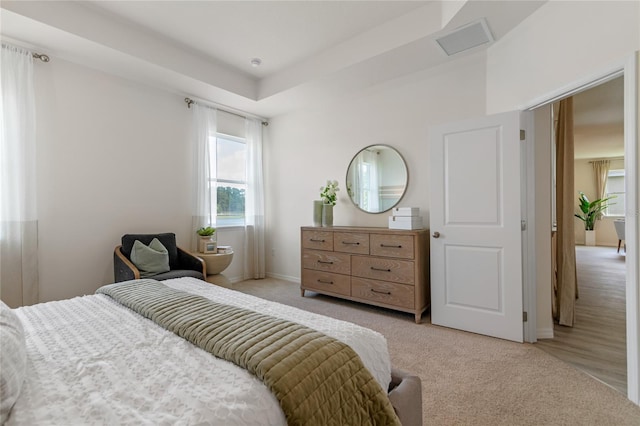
(597, 342)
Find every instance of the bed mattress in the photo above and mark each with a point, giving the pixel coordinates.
(93, 361)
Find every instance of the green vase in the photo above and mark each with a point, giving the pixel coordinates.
(327, 215)
(317, 213)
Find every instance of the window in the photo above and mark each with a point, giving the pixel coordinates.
(228, 183)
(615, 187)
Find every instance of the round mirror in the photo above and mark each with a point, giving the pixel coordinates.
(377, 178)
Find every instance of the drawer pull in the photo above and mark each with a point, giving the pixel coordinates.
(390, 246)
(325, 282)
(325, 262)
(373, 268)
(388, 293)
(316, 241)
(350, 243)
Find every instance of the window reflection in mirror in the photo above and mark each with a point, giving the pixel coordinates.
(377, 178)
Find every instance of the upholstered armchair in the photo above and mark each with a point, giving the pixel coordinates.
(181, 263)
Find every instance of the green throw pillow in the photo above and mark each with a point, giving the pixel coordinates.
(150, 260)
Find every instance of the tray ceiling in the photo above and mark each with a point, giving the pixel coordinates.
(311, 51)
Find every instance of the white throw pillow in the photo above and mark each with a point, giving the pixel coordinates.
(13, 360)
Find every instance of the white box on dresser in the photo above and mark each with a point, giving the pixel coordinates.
(405, 222)
(405, 211)
(378, 266)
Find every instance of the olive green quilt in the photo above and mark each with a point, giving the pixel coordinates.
(317, 379)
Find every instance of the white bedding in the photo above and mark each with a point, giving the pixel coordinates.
(92, 361)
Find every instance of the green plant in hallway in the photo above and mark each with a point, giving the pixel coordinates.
(591, 210)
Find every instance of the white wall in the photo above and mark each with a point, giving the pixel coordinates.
(113, 158)
(308, 147)
(560, 43)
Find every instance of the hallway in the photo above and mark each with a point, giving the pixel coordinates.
(597, 342)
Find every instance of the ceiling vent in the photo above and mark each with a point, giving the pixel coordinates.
(466, 37)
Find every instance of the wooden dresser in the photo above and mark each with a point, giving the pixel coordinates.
(378, 266)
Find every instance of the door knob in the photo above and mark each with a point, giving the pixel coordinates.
(436, 234)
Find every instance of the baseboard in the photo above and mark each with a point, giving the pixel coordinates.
(234, 280)
(283, 277)
(544, 333)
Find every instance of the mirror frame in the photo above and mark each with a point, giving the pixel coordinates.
(406, 168)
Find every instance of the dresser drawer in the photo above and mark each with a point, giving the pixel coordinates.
(400, 246)
(400, 295)
(326, 282)
(319, 240)
(381, 268)
(328, 261)
(351, 242)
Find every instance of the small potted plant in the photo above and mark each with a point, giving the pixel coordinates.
(206, 231)
(589, 212)
(207, 242)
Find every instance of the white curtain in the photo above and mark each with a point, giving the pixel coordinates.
(369, 181)
(254, 259)
(601, 174)
(18, 215)
(205, 128)
(355, 191)
(374, 181)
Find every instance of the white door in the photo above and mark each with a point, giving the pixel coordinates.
(476, 265)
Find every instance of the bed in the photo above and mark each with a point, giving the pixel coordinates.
(91, 360)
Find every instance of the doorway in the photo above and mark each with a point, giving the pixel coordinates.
(596, 344)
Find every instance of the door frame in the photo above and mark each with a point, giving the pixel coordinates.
(628, 68)
(527, 206)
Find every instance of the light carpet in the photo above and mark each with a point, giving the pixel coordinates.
(469, 379)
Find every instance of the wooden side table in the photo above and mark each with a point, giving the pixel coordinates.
(216, 262)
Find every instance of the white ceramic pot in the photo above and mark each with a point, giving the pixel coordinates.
(590, 238)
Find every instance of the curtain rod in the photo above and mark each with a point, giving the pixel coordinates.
(608, 158)
(12, 43)
(41, 56)
(190, 101)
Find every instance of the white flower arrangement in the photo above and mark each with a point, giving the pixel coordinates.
(328, 193)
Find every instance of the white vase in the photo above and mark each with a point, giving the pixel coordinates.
(207, 244)
(317, 213)
(327, 215)
(590, 238)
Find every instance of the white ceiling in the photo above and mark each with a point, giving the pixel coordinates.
(311, 51)
(280, 33)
